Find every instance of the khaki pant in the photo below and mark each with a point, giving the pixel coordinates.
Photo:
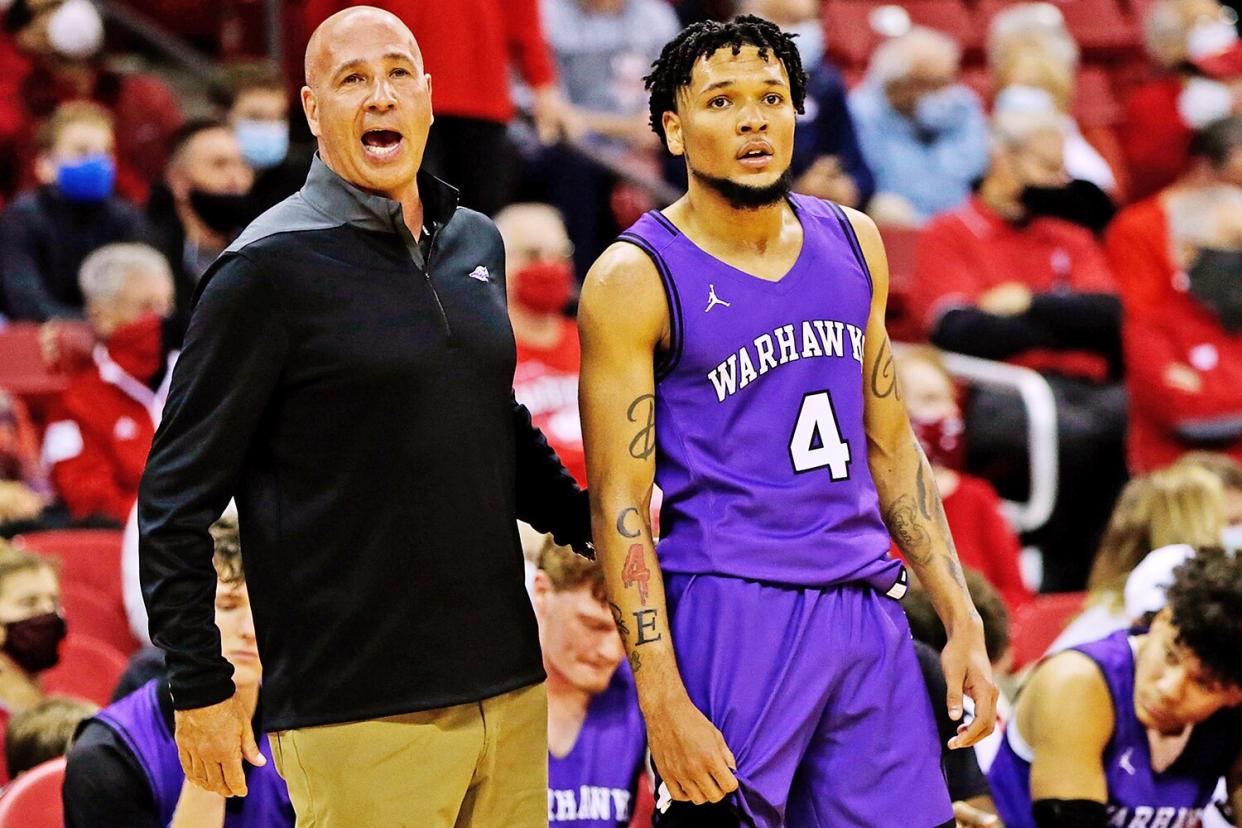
(482, 764)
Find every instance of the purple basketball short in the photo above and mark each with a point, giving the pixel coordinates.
(818, 694)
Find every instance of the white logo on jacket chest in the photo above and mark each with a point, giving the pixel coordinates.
(480, 274)
(125, 429)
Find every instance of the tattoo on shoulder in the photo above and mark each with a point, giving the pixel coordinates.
(619, 617)
(903, 522)
(622, 529)
(884, 373)
(642, 412)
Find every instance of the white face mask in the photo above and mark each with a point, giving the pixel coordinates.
(75, 30)
(1021, 98)
(1210, 39)
(1231, 538)
(1203, 101)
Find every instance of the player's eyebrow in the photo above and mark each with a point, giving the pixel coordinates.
(724, 84)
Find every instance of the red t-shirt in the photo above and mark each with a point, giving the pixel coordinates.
(964, 253)
(546, 382)
(984, 539)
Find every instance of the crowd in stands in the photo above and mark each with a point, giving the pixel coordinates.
(1062, 203)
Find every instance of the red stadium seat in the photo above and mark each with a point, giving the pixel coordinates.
(33, 801)
(1094, 102)
(102, 617)
(88, 669)
(899, 244)
(851, 36)
(1099, 26)
(91, 557)
(1036, 625)
(21, 362)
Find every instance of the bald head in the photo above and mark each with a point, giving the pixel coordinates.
(344, 29)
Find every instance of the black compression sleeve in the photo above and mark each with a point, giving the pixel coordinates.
(1069, 813)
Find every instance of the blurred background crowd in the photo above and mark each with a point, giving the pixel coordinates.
(1059, 186)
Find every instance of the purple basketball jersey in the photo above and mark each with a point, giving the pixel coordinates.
(137, 719)
(595, 784)
(1138, 797)
(761, 451)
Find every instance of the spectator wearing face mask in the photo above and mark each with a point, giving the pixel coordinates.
(1229, 472)
(1137, 243)
(1184, 357)
(922, 133)
(1161, 114)
(23, 480)
(997, 280)
(254, 100)
(31, 630)
(62, 41)
(101, 429)
(985, 541)
(827, 161)
(540, 283)
(47, 232)
(201, 206)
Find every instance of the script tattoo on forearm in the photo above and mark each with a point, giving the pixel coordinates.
(642, 411)
(884, 373)
(903, 522)
(619, 617)
(622, 529)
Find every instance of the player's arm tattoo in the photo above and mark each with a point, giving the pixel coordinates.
(636, 661)
(642, 412)
(646, 620)
(884, 373)
(619, 617)
(903, 521)
(622, 529)
(924, 509)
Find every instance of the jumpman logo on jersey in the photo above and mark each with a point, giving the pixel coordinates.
(713, 300)
(1125, 763)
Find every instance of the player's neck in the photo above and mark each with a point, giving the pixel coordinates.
(567, 711)
(708, 213)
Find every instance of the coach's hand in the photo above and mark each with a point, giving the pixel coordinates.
(690, 754)
(967, 670)
(211, 742)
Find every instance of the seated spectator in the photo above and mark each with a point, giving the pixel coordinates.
(201, 206)
(827, 161)
(602, 50)
(44, 732)
(23, 480)
(922, 132)
(597, 743)
(47, 232)
(540, 281)
(1182, 504)
(123, 768)
(1138, 244)
(254, 100)
(1136, 728)
(994, 281)
(1229, 472)
(1160, 114)
(62, 40)
(985, 541)
(31, 630)
(1184, 358)
(101, 429)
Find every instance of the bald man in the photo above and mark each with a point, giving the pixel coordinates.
(348, 378)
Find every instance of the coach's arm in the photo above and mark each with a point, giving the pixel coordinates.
(911, 507)
(623, 319)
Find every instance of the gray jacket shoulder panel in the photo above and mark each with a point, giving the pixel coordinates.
(294, 214)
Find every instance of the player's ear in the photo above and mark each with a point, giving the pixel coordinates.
(672, 133)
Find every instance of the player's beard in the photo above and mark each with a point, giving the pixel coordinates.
(747, 196)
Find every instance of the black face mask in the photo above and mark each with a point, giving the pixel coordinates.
(224, 213)
(1080, 202)
(34, 643)
(1216, 281)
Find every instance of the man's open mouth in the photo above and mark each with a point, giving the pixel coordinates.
(381, 143)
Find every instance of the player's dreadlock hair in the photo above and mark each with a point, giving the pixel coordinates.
(1206, 602)
(671, 70)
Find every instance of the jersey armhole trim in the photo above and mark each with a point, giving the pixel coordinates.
(852, 237)
(666, 362)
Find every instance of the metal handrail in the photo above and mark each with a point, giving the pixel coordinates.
(168, 44)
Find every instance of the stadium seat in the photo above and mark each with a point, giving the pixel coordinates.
(100, 616)
(851, 33)
(88, 669)
(1099, 26)
(899, 244)
(1036, 625)
(91, 557)
(33, 801)
(1094, 102)
(21, 362)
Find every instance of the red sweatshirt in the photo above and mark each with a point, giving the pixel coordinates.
(546, 382)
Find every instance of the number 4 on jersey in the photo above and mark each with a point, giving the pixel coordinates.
(816, 440)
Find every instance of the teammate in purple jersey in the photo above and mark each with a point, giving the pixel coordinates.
(1134, 730)
(734, 351)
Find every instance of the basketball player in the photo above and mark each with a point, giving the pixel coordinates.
(734, 350)
(1134, 730)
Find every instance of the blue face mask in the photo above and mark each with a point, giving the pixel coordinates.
(264, 144)
(88, 180)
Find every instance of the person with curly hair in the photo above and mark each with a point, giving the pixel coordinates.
(1134, 730)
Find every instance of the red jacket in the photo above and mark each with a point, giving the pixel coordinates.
(98, 438)
(1137, 247)
(546, 382)
(1154, 138)
(468, 47)
(1182, 331)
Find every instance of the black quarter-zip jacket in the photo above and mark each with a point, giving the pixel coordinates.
(353, 390)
